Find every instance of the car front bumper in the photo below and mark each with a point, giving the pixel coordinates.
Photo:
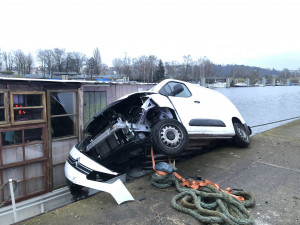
(77, 168)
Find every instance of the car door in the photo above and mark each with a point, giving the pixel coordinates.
(197, 112)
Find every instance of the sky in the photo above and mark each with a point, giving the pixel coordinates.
(264, 33)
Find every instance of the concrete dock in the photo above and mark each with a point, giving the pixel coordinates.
(269, 168)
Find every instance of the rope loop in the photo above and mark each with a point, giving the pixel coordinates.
(208, 203)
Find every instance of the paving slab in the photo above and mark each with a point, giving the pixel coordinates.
(269, 168)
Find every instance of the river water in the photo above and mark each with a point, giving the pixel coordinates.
(260, 105)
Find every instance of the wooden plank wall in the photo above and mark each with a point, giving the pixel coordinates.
(116, 91)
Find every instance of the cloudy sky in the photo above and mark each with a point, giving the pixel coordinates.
(263, 33)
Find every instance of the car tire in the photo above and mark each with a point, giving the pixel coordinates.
(169, 137)
(241, 137)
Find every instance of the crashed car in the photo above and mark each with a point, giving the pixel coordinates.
(173, 116)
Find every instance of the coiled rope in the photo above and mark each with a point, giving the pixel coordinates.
(264, 124)
(204, 200)
(208, 204)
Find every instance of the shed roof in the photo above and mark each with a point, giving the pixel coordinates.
(70, 81)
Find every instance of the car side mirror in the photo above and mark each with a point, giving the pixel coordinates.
(177, 89)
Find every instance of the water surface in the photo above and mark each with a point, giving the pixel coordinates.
(260, 105)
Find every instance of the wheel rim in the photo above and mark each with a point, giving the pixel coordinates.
(242, 133)
(171, 136)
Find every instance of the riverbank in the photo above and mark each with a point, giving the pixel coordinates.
(269, 168)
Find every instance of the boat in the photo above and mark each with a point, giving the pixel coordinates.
(218, 85)
(241, 84)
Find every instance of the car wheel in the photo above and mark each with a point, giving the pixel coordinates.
(169, 137)
(241, 137)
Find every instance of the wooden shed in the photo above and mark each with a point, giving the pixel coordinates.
(40, 121)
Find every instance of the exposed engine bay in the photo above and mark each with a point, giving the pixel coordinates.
(121, 128)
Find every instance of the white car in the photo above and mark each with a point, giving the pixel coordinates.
(172, 116)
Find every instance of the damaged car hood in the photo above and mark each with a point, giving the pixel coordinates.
(100, 121)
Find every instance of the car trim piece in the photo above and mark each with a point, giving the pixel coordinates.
(78, 166)
(207, 123)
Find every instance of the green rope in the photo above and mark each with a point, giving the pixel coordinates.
(208, 204)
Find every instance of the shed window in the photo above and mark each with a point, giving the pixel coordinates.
(28, 107)
(63, 114)
(24, 157)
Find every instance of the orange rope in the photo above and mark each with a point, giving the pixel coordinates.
(192, 183)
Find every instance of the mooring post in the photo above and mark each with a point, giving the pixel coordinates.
(202, 81)
(273, 81)
(12, 194)
(264, 81)
(248, 82)
(228, 80)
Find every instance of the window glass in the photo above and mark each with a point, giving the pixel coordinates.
(15, 173)
(63, 126)
(25, 100)
(165, 90)
(34, 151)
(27, 114)
(1, 99)
(34, 170)
(12, 155)
(175, 89)
(63, 103)
(2, 115)
(11, 137)
(35, 185)
(33, 135)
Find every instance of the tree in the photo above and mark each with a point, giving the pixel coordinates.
(160, 72)
(126, 66)
(90, 66)
(28, 63)
(97, 60)
(41, 58)
(59, 56)
(20, 61)
(8, 60)
(117, 64)
(79, 60)
(187, 61)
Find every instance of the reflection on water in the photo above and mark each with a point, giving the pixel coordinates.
(260, 105)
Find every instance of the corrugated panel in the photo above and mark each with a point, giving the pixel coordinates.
(94, 101)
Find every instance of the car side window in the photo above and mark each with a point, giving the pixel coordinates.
(175, 89)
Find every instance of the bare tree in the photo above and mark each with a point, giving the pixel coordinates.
(28, 63)
(8, 60)
(90, 66)
(49, 60)
(20, 60)
(79, 60)
(171, 69)
(187, 63)
(41, 58)
(126, 66)
(59, 56)
(117, 64)
(97, 59)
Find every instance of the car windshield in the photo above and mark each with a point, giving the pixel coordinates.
(153, 88)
